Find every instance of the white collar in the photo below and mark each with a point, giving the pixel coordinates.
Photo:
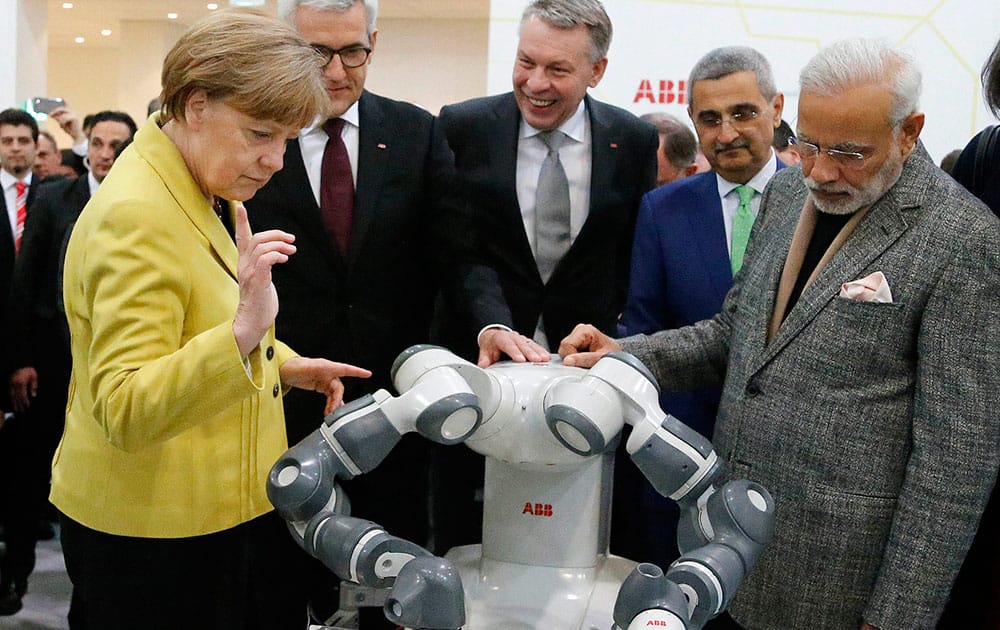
(758, 182)
(574, 126)
(351, 116)
(7, 180)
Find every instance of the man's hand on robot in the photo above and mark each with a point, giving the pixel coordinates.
(585, 345)
(497, 342)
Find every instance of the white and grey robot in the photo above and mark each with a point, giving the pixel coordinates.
(548, 432)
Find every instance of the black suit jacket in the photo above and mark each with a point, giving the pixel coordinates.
(501, 283)
(36, 309)
(369, 307)
(6, 275)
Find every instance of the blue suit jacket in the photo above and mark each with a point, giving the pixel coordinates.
(680, 275)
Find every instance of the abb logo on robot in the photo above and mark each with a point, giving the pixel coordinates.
(537, 509)
(657, 622)
(663, 92)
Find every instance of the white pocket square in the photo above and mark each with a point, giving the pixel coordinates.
(871, 288)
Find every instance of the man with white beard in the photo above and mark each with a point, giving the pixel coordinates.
(858, 349)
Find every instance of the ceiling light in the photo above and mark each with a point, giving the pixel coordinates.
(67, 5)
(211, 6)
(106, 32)
(171, 16)
(246, 3)
(79, 40)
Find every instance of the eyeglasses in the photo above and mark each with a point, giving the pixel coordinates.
(738, 119)
(350, 56)
(851, 160)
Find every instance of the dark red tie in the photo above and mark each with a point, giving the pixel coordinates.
(336, 187)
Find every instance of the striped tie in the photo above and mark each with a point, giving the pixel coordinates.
(22, 212)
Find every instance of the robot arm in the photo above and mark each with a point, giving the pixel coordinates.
(722, 531)
(436, 402)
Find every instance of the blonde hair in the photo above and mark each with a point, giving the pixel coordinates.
(256, 64)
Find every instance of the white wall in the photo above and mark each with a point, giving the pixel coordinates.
(431, 62)
(434, 61)
(23, 41)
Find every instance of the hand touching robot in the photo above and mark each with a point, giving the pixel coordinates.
(530, 420)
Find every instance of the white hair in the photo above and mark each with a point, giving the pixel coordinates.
(287, 8)
(853, 62)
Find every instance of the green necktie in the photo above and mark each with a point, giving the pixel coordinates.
(741, 228)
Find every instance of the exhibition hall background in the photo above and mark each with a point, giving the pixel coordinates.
(435, 52)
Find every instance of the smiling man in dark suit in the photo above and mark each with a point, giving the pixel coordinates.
(858, 348)
(548, 255)
(609, 159)
(365, 198)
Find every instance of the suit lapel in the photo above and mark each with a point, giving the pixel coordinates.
(708, 230)
(5, 232)
(877, 231)
(79, 193)
(292, 187)
(373, 155)
(504, 135)
(604, 158)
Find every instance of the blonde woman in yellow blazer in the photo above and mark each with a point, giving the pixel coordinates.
(174, 416)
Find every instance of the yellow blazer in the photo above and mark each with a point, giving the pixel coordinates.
(167, 434)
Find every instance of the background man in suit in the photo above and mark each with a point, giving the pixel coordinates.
(681, 258)
(48, 159)
(525, 289)
(865, 407)
(18, 144)
(784, 144)
(40, 342)
(361, 285)
(677, 151)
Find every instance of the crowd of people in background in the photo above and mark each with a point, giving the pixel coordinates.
(820, 301)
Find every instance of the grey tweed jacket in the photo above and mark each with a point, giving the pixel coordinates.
(874, 425)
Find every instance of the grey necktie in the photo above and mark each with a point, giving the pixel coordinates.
(551, 207)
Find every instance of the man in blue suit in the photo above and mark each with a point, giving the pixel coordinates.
(682, 266)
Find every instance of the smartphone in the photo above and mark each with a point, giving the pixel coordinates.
(44, 105)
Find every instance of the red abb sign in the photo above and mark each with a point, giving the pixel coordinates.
(663, 92)
(537, 509)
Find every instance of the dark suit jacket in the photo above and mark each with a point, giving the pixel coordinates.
(6, 276)
(36, 309)
(371, 306)
(872, 424)
(680, 275)
(503, 285)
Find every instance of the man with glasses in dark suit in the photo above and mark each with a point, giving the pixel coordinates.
(364, 193)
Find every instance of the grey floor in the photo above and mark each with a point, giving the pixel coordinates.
(47, 600)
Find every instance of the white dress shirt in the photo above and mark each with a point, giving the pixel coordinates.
(731, 199)
(312, 142)
(575, 155)
(8, 181)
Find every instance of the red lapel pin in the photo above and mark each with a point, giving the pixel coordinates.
(381, 145)
(614, 145)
